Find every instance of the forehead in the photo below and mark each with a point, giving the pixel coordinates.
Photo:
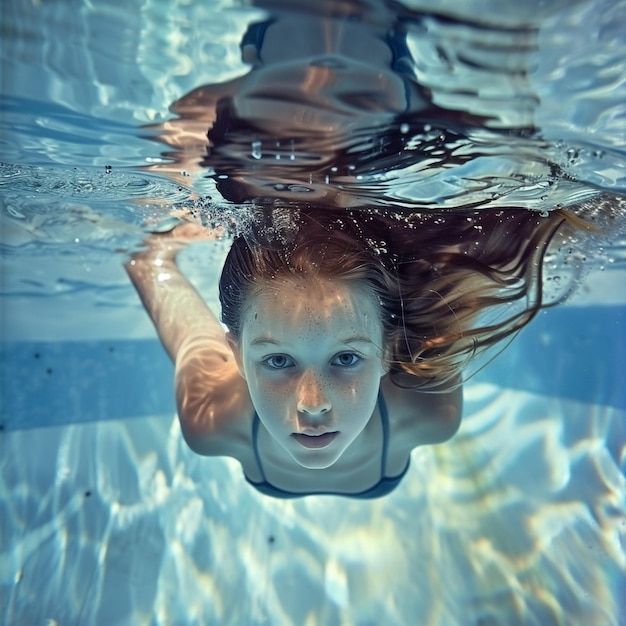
(301, 304)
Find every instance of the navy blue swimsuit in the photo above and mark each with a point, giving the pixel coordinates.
(384, 486)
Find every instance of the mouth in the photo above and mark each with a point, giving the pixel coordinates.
(315, 441)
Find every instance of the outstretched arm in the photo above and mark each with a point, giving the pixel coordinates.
(210, 393)
(175, 307)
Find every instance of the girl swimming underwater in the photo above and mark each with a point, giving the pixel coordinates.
(348, 338)
(345, 345)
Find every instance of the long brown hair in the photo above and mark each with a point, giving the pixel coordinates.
(435, 276)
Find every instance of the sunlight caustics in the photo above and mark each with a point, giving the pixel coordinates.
(106, 516)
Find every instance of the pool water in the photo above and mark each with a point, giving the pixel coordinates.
(108, 518)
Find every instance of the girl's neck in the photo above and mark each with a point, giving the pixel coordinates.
(357, 469)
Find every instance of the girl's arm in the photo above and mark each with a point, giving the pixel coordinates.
(175, 307)
(210, 393)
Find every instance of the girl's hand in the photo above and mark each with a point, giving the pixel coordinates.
(170, 241)
(183, 225)
(188, 232)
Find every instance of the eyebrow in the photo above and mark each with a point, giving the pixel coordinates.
(357, 339)
(261, 341)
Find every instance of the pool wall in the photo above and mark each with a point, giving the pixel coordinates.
(573, 352)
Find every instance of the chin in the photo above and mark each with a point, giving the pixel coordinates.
(316, 461)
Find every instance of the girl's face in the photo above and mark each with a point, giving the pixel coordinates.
(311, 353)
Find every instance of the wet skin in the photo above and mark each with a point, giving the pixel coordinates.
(309, 360)
(312, 357)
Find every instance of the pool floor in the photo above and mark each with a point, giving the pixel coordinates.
(518, 520)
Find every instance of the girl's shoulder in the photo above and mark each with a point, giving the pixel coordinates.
(419, 418)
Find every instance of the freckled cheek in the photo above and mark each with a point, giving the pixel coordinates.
(345, 390)
(272, 392)
(353, 385)
(271, 384)
(357, 393)
(346, 396)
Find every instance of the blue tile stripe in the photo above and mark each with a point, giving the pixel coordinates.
(577, 353)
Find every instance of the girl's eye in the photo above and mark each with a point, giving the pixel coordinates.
(346, 359)
(278, 361)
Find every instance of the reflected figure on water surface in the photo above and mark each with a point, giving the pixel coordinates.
(332, 103)
(349, 320)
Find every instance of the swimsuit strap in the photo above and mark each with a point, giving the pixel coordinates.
(255, 35)
(402, 61)
(384, 418)
(255, 437)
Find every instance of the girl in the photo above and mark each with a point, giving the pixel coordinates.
(346, 338)
(347, 330)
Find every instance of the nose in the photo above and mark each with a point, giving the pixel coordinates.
(312, 399)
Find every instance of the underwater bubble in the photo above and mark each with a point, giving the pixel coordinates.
(13, 212)
(572, 154)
